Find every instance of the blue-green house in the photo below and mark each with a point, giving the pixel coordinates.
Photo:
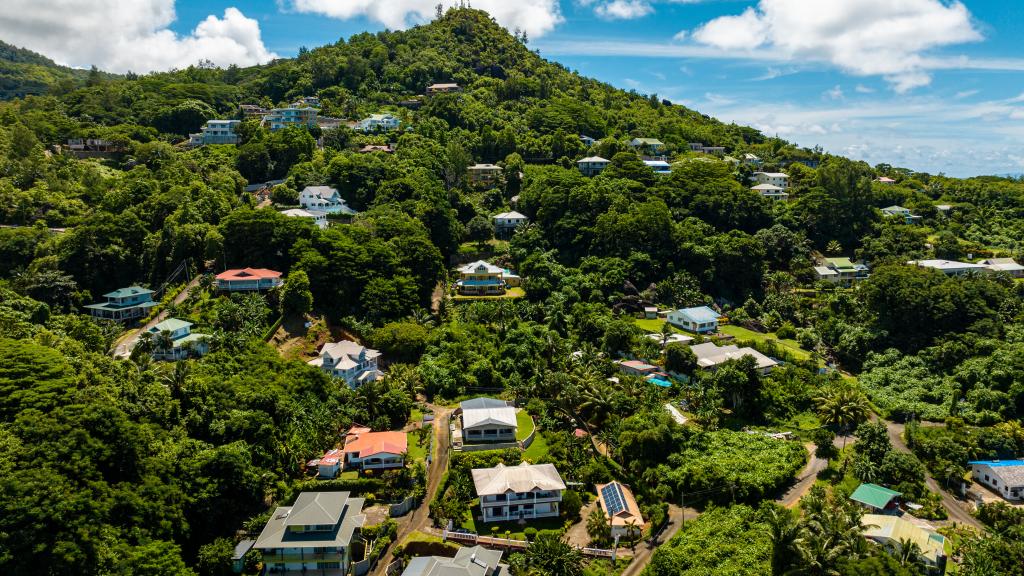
(124, 304)
(183, 343)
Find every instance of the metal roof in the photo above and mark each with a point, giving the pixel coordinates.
(874, 495)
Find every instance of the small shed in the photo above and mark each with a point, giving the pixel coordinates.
(877, 498)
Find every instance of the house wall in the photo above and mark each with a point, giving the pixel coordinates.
(489, 433)
(524, 506)
(989, 477)
(282, 560)
(685, 323)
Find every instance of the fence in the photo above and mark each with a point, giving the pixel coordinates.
(402, 508)
(362, 567)
(508, 543)
(529, 439)
(395, 568)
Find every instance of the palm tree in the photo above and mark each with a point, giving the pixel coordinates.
(908, 552)
(176, 378)
(163, 343)
(597, 400)
(784, 533)
(666, 333)
(843, 408)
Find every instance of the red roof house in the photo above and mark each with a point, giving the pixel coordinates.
(368, 450)
(248, 279)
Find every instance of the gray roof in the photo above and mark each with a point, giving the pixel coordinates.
(708, 355)
(484, 411)
(525, 477)
(242, 548)
(475, 561)
(314, 508)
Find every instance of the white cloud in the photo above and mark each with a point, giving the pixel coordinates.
(834, 93)
(965, 94)
(862, 89)
(118, 36)
(863, 37)
(623, 9)
(536, 17)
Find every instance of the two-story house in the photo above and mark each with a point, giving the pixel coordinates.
(324, 199)
(173, 339)
(216, 132)
(518, 492)
(648, 146)
(319, 218)
(592, 165)
(368, 450)
(378, 123)
(506, 223)
(482, 278)
(775, 178)
(841, 271)
(699, 319)
(487, 420)
(473, 561)
(443, 88)
(771, 191)
(279, 118)
(124, 304)
(349, 361)
(312, 536)
(483, 175)
(900, 212)
(248, 280)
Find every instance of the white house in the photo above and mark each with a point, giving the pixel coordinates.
(319, 218)
(659, 166)
(183, 342)
(248, 280)
(216, 132)
(312, 536)
(709, 356)
(1008, 265)
(330, 464)
(951, 267)
(349, 361)
(473, 561)
(900, 212)
(506, 222)
(699, 319)
(891, 532)
(775, 178)
(587, 140)
(1006, 477)
(621, 509)
(592, 165)
(771, 191)
(324, 199)
(518, 492)
(488, 420)
(378, 123)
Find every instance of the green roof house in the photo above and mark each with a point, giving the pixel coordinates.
(877, 498)
(647, 146)
(124, 304)
(182, 344)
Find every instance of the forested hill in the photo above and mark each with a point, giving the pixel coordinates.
(23, 72)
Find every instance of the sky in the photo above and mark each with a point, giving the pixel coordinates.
(931, 85)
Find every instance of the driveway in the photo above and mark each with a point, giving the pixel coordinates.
(805, 480)
(644, 550)
(124, 347)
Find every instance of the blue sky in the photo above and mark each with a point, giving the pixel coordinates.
(933, 85)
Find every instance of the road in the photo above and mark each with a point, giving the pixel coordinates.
(123, 347)
(419, 518)
(954, 507)
(644, 551)
(805, 480)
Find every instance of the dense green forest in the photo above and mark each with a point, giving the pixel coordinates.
(129, 466)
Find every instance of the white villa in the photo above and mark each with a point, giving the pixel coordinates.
(378, 122)
(324, 199)
(506, 222)
(518, 492)
(775, 178)
(592, 165)
(1005, 477)
(349, 361)
(319, 218)
(771, 191)
(951, 267)
(488, 420)
(312, 536)
(710, 356)
(183, 342)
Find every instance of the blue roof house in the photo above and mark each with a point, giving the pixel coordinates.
(124, 304)
(701, 319)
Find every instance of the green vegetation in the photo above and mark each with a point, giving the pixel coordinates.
(524, 425)
(740, 333)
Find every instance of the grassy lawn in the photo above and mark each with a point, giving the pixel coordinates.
(653, 325)
(349, 475)
(537, 450)
(416, 452)
(515, 529)
(416, 415)
(791, 346)
(604, 567)
(524, 425)
(516, 292)
(492, 246)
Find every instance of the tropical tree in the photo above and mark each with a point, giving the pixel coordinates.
(551, 555)
(784, 532)
(843, 408)
(598, 528)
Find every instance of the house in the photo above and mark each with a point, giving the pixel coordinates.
(443, 88)
(319, 218)
(329, 465)
(1006, 477)
(473, 561)
(378, 123)
(349, 361)
(252, 111)
(313, 536)
(901, 212)
(891, 531)
(324, 199)
(943, 209)
(592, 165)
(672, 339)
(367, 450)
(885, 180)
(709, 356)
(518, 492)
(771, 191)
(716, 150)
(183, 343)
(1008, 265)
(279, 118)
(841, 271)
(313, 101)
(878, 499)
(483, 278)
(636, 367)
(648, 146)
(587, 140)
(248, 280)
(775, 178)
(751, 159)
(699, 319)
(659, 166)
(238, 555)
(387, 149)
(329, 123)
(506, 222)
(216, 132)
(124, 304)
(651, 312)
(483, 175)
(951, 267)
(621, 508)
(488, 420)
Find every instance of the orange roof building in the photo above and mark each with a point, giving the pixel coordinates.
(367, 450)
(618, 503)
(248, 279)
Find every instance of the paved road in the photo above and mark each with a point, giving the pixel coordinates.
(954, 507)
(123, 348)
(419, 519)
(805, 480)
(644, 551)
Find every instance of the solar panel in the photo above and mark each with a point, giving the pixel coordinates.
(614, 500)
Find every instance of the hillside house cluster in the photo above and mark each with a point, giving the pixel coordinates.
(314, 535)
(523, 492)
